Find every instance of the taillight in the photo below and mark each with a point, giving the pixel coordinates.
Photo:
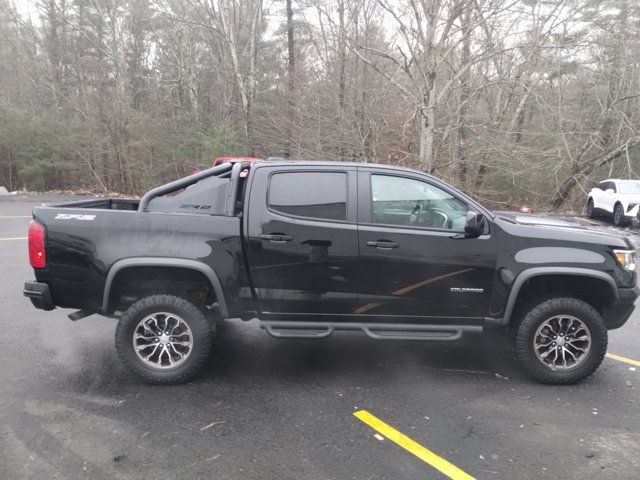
(37, 250)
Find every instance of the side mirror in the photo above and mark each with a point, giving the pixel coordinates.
(609, 191)
(474, 224)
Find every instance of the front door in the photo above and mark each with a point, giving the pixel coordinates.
(414, 263)
(303, 243)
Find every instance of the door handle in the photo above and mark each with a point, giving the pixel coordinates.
(382, 244)
(277, 237)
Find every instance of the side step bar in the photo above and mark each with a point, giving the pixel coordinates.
(377, 331)
(80, 314)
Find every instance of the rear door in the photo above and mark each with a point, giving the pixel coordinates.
(414, 264)
(302, 241)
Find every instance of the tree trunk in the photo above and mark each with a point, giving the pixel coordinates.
(228, 28)
(256, 21)
(427, 125)
(291, 80)
(463, 130)
(342, 52)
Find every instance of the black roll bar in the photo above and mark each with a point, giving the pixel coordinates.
(219, 171)
(235, 184)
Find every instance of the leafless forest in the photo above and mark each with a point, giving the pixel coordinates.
(515, 101)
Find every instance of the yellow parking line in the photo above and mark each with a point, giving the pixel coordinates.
(623, 359)
(14, 238)
(427, 456)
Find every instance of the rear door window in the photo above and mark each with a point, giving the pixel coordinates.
(316, 195)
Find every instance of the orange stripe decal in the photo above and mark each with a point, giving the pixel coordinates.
(409, 288)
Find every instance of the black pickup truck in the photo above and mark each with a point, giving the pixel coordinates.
(311, 248)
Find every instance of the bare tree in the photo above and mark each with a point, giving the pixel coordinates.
(517, 101)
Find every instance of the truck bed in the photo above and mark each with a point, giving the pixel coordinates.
(84, 242)
(103, 204)
(189, 221)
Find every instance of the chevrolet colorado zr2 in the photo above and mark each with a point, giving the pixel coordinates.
(312, 248)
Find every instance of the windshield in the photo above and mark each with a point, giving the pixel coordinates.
(632, 186)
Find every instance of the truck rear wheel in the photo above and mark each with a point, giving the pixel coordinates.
(561, 341)
(164, 339)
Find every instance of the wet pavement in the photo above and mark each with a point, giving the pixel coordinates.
(283, 409)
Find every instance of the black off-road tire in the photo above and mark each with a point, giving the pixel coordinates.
(618, 216)
(591, 211)
(533, 317)
(189, 313)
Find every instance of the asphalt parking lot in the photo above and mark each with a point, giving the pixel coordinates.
(284, 409)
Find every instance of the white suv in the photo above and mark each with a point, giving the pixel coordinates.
(619, 198)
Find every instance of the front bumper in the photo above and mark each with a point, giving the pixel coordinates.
(617, 314)
(632, 211)
(39, 295)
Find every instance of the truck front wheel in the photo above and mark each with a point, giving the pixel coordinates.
(164, 339)
(561, 340)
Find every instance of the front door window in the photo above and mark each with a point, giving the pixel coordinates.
(401, 201)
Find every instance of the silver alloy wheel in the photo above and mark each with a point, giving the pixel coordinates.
(562, 342)
(162, 340)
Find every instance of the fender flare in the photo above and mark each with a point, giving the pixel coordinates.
(539, 271)
(203, 268)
